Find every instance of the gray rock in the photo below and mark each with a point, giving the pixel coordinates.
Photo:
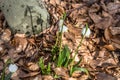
(25, 16)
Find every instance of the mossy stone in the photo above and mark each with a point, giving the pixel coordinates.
(25, 16)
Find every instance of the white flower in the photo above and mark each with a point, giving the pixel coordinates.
(87, 34)
(60, 22)
(77, 59)
(13, 67)
(65, 29)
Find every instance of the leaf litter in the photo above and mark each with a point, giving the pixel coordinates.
(100, 52)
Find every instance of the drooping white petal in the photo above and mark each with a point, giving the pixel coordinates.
(87, 34)
(65, 29)
(60, 22)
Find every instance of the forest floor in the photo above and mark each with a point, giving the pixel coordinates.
(100, 52)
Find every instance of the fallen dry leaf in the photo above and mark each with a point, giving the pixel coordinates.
(20, 43)
(116, 45)
(104, 76)
(83, 77)
(6, 36)
(53, 2)
(107, 34)
(71, 79)
(109, 47)
(115, 30)
(76, 74)
(102, 53)
(47, 77)
(110, 61)
(113, 8)
(61, 72)
(33, 66)
(116, 39)
(39, 77)
(15, 76)
(31, 74)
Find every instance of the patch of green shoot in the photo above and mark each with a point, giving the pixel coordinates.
(61, 54)
(63, 57)
(77, 68)
(45, 69)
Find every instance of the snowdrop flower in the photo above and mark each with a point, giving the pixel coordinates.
(60, 22)
(87, 34)
(13, 68)
(77, 59)
(65, 29)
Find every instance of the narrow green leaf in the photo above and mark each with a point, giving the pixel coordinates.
(61, 55)
(64, 16)
(67, 52)
(80, 69)
(71, 70)
(41, 63)
(70, 60)
(48, 68)
(61, 58)
(54, 50)
(44, 69)
(86, 29)
(64, 56)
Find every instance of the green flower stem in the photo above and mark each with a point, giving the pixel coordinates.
(64, 16)
(57, 39)
(76, 51)
(56, 43)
